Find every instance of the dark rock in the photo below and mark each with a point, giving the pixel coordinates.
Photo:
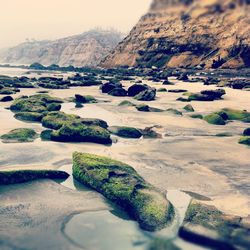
(215, 94)
(177, 90)
(136, 89)
(146, 95)
(118, 92)
(107, 87)
(6, 99)
(127, 132)
(246, 132)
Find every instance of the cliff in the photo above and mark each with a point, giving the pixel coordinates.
(86, 49)
(188, 33)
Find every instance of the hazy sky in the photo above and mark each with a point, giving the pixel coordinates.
(51, 19)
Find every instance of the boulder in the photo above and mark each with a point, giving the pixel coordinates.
(146, 95)
(135, 89)
(107, 87)
(246, 132)
(215, 119)
(19, 135)
(84, 99)
(215, 94)
(118, 92)
(121, 184)
(126, 132)
(6, 99)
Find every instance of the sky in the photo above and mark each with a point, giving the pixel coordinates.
(52, 19)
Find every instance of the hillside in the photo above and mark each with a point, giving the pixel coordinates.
(188, 33)
(86, 49)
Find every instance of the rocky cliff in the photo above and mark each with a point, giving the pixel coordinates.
(188, 33)
(86, 49)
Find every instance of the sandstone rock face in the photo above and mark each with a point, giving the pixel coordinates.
(86, 49)
(188, 33)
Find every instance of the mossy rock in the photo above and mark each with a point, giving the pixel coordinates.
(19, 135)
(8, 91)
(238, 115)
(126, 132)
(189, 108)
(197, 116)
(146, 108)
(126, 103)
(207, 225)
(21, 176)
(162, 90)
(121, 184)
(55, 120)
(78, 132)
(84, 99)
(29, 116)
(162, 244)
(245, 140)
(214, 119)
(174, 111)
(35, 103)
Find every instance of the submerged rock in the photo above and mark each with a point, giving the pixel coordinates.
(127, 132)
(19, 135)
(21, 176)
(121, 184)
(206, 225)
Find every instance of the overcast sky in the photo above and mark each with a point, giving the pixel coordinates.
(51, 19)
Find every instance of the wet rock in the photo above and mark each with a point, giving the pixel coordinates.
(29, 116)
(215, 119)
(246, 132)
(6, 99)
(79, 132)
(84, 99)
(177, 90)
(21, 176)
(19, 135)
(136, 89)
(207, 226)
(146, 108)
(215, 94)
(121, 184)
(126, 132)
(118, 92)
(189, 108)
(146, 95)
(107, 87)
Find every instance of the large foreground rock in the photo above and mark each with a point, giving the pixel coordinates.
(120, 183)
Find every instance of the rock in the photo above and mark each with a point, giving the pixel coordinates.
(162, 90)
(54, 107)
(146, 95)
(78, 105)
(149, 133)
(19, 135)
(206, 225)
(239, 83)
(146, 108)
(126, 103)
(238, 115)
(177, 90)
(94, 122)
(196, 116)
(35, 103)
(55, 120)
(84, 99)
(215, 94)
(21, 176)
(6, 99)
(200, 97)
(245, 140)
(246, 132)
(162, 244)
(174, 111)
(107, 87)
(167, 82)
(29, 116)
(135, 89)
(79, 132)
(183, 77)
(214, 119)
(126, 132)
(189, 108)
(118, 92)
(121, 184)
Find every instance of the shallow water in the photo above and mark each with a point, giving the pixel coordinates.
(189, 157)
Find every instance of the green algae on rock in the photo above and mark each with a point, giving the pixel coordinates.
(206, 225)
(35, 103)
(78, 132)
(29, 116)
(126, 103)
(189, 108)
(121, 184)
(127, 132)
(214, 119)
(236, 115)
(245, 140)
(19, 135)
(21, 176)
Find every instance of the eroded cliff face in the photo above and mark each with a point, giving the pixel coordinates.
(86, 49)
(188, 33)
